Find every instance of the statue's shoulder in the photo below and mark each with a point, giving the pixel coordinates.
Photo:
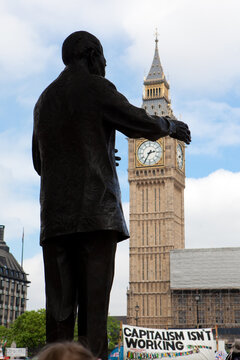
(102, 81)
(102, 87)
(52, 89)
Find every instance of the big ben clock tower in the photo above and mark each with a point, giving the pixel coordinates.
(156, 175)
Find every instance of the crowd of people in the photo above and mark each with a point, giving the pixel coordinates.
(75, 351)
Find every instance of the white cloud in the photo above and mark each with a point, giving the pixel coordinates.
(16, 157)
(198, 40)
(61, 18)
(18, 209)
(118, 300)
(18, 184)
(214, 125)
(36, 291)
(32, 30)
(22, 50)
(125, 206)
(212, 208)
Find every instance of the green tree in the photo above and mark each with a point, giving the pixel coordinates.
(4, 334)
(113, 328)
(29, 330)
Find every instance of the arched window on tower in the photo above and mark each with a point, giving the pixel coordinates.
(156, 91)
(148, 93)
(159, 91)
(153, 92)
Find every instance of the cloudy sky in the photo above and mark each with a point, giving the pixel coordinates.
(200, 52)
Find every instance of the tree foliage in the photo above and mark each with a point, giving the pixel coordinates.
(3, 333)
(113, 328)
(28, 330)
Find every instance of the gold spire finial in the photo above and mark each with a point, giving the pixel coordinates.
(156, 35)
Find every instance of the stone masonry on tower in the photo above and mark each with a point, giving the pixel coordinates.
(156, 175)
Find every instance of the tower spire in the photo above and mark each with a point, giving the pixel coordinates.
(156, 70)
(156, 100)
(156, 36)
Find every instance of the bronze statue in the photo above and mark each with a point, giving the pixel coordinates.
(75, 120)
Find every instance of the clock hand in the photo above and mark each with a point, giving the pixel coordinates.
(150, 152)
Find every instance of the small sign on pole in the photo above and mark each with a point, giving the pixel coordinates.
(16, 352)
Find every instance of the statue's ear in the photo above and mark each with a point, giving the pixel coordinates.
(91, 57)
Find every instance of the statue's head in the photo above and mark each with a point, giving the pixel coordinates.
(82, 45)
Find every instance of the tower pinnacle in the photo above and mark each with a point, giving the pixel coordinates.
(156, 70)
(156, 100)
(156, 36)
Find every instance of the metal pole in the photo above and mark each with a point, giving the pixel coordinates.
(22, 248)
(197, 298)
(119, 339)
(137, 310)
(216, 329)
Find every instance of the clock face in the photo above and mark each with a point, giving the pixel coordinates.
(149, 153)
(179, 156)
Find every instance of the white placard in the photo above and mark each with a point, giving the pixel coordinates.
(16, 352)
(188, 344)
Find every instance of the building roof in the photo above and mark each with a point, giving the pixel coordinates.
(217, 268)
(156, 70)
(9, 261)
(9, 267)
(122, 318)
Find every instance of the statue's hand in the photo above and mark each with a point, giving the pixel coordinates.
(117, 158)
(179, 130)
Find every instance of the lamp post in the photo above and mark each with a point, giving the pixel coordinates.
(197, 298)
(137, 310)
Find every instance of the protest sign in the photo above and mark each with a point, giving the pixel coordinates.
(16, 352)
(187, 344)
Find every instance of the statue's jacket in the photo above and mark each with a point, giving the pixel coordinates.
(75, 120)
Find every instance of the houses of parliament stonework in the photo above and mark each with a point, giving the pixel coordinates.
(156, 174)
(170, 286)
